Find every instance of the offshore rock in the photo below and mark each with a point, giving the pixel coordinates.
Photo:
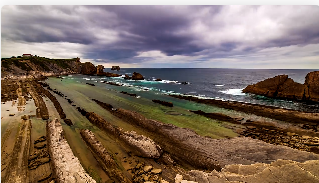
(312, 82)
(115, 68)
(66, 167)
(99, 70)
(137, 76)
(108, 74)
(283, 87)
(88, 68)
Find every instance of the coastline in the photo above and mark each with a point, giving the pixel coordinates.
(172, 161)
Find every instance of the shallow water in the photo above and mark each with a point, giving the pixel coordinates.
(212, 83)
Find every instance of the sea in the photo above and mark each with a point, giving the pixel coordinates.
(214, 83)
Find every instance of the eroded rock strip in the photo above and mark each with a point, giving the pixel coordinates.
(39, 103)
(54, 101)
(66, 167)
(18, 167)
(206, 153)
(143, 146)
(287, 115)
(103, 157)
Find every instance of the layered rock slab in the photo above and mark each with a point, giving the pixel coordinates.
(66, 167)
(104, 158)
(203, 152)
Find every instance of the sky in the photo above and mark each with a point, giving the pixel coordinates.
(257, 37)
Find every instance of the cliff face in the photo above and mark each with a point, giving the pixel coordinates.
(283, 87)
(36, 66)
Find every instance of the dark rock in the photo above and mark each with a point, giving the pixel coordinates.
(90, 84)
(88, 68)
(137, 76)
(168, 104)
(99, 70)
(158, 79)
(68, 122)
(127, 77)
(217, 116)
(115, 68)
(11, 114)
(283, 87)
(185, 83)
(312, 82)
(40, 139)
(130, 94)
(108, 74)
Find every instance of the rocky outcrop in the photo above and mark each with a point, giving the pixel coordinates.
(53, 99)
(137, 76)
(284, 171)
(127, 77)
(283, 87)
(108, 74)
(142, 145)
(66, 167)
(312, 82)
(278, 113)
(42, 110)
(184, 145)
(88, 68)
(104, 158)
(99, 70)
(130, 94)
(115, 68)
(168, 104)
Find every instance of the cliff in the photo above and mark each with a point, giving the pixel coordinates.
(35, 66)
(283, 87)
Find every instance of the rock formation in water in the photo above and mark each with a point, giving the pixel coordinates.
(99, 70)
(115, 68)
(137, 76)
(283, 87)
(66, 167)
(168, 104)
(88, 69)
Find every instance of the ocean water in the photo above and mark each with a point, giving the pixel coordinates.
(224, 84)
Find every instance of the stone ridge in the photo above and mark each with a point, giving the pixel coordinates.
(66, 167)
(283, 87)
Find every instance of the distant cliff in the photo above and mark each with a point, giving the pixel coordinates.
(35, 66)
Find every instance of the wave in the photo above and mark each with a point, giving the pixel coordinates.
(219, 85)
(233, 92)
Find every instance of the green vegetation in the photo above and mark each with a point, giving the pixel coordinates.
(44, 64)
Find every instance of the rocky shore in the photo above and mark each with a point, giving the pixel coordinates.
(105, 159)
(285, 88)
(204, 152)
(288, 115)
(66, 167)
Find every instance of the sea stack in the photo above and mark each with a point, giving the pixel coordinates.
(283, 87)
(116, 68)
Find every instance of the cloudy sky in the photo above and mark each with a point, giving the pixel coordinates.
(166, 36)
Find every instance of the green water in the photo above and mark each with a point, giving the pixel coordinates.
(179, 115)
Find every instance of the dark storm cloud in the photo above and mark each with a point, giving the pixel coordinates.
(123, 32)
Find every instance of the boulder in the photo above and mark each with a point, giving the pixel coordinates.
(99, 70)
(158, 79)
(312, 82)
(127, 76)
(137, 76)
(88, 68)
